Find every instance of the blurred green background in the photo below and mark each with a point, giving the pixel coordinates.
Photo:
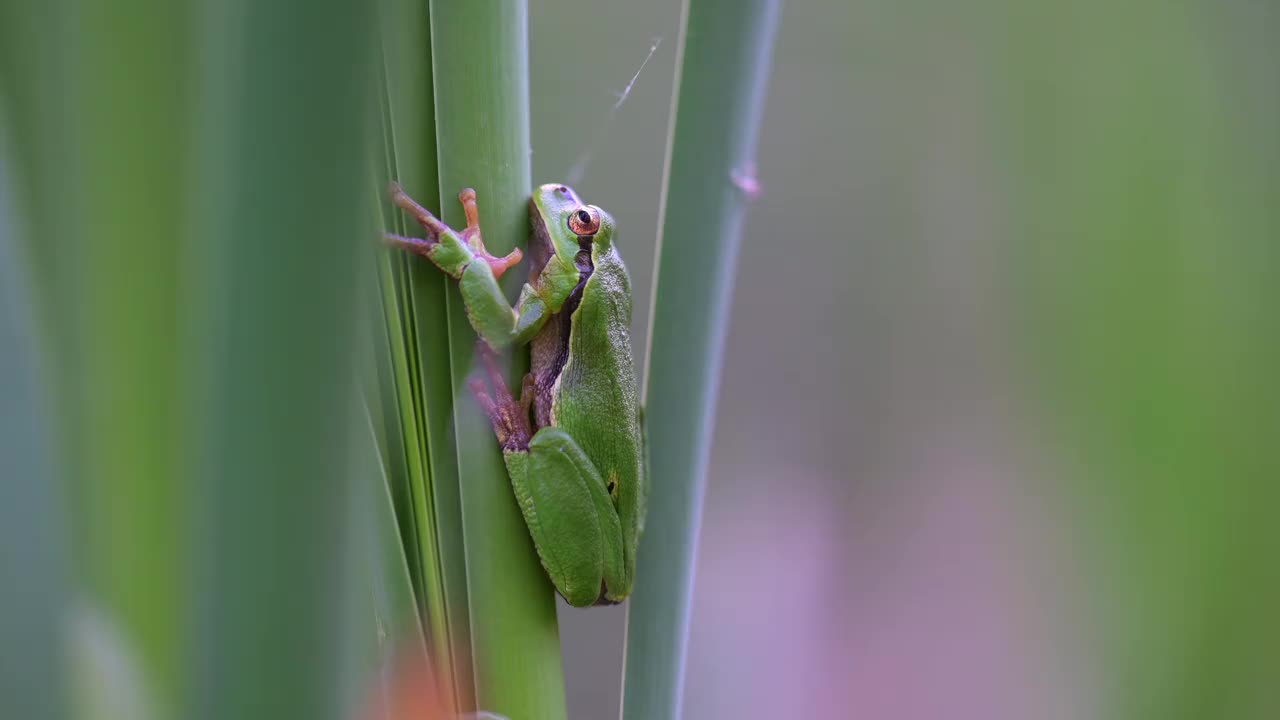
(996, 430)
(996, 434)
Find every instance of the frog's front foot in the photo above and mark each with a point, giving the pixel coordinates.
(429, 222)
(510, 419)
(438, 232)
(499, 265)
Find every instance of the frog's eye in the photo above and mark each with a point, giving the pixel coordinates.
(584, 222)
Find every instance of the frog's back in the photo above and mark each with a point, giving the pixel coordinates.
(598, 403)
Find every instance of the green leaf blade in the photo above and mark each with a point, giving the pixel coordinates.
(480, 65)
(725, 58)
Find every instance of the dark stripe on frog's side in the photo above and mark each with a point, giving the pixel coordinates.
(596, 401)
(540, 249)
(551, 346)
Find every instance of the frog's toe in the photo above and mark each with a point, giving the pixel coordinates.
(502, 264)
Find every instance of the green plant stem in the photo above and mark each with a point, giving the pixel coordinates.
(414, 338)
(100, 142)
(724, 64)
(480, 66)
(282, 218)
(423, 306)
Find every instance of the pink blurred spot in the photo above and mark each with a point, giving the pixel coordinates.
(746, 181)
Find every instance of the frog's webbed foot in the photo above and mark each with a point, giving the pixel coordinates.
(509, 418)
(429, 222)
(438, 232)
(499, 265)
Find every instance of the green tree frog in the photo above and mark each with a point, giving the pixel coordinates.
(573, 442)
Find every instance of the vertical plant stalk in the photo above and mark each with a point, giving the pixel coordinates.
(134, 115)
(414, 403)
(100, 144)
(726, 49)
(283, 218)
(480, 67)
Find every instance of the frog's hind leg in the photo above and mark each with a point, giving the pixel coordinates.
(509, 418)
(571, 517)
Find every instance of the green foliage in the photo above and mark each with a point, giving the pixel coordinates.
(490, 611)
(1147, 292)
(276, 240)
(251, 534)
(191, 176)
(724, 64)
(412, 398)
(480, 66)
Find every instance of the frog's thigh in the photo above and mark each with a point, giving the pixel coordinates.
(570, 516)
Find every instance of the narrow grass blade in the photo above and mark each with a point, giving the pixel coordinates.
(724, 64)
(281, 219)
(480, 66)
(391, 629)
(400, 393)
(415, 375)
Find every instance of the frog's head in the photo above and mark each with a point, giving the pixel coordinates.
(571, 225)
